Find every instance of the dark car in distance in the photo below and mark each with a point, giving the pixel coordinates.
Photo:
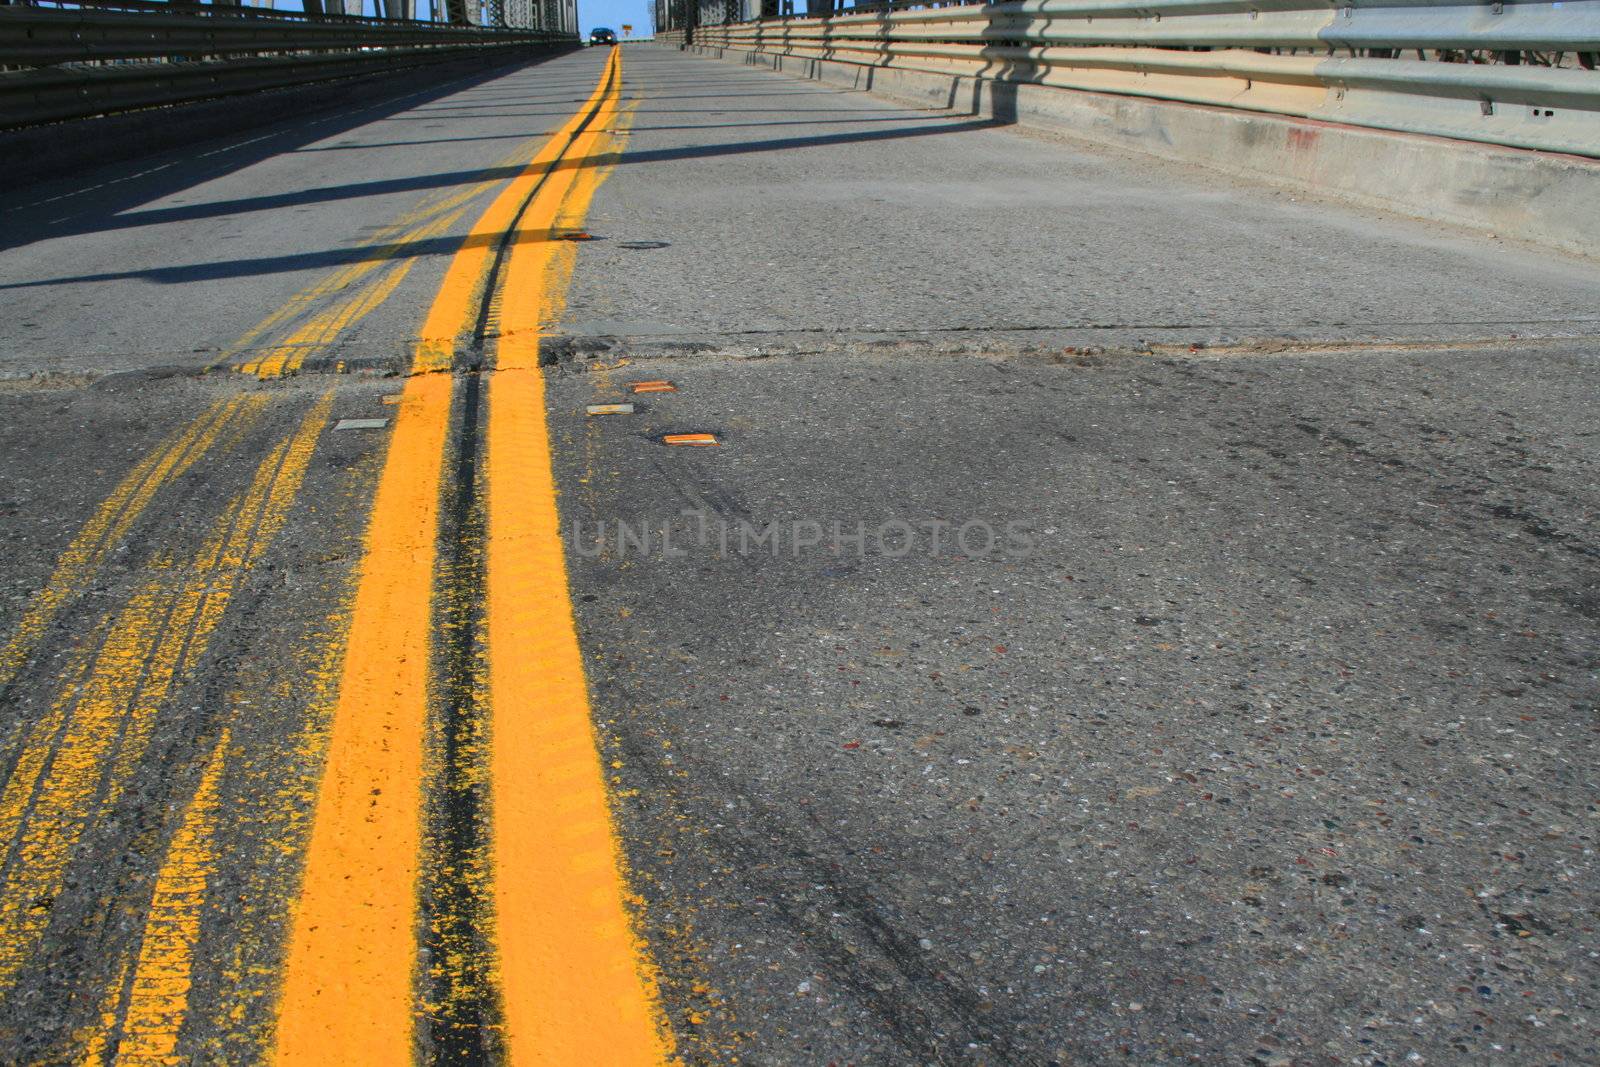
(601, 35)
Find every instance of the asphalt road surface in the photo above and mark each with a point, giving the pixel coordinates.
(1127, 615)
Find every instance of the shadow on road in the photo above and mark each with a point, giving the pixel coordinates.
(243, 268)
(94, 200)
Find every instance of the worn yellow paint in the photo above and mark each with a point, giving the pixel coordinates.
(79, 756)
(379, 251)
(97, 1039)
(273, 790)
(394, 240)
(288, 355)
(577, 986)
(111, 522)
(322, 329)
(157, 1001)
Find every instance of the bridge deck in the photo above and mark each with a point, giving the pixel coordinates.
(1261, 728)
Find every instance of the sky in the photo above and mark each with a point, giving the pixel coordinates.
(613, 14)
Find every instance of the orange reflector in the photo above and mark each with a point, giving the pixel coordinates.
(689, 439)
(654, 387)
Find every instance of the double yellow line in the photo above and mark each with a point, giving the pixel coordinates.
(575, 985)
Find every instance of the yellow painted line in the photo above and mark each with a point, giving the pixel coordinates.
(552, 262)
(79, 757)
(577, 984)
(348, 981)
(346, 995)
(157, 1000)
(82, 559)
(452, 311)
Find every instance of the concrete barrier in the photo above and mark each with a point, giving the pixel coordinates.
(1549, 198)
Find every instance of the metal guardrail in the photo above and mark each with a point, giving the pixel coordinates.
(95, 56)
(1512, 73)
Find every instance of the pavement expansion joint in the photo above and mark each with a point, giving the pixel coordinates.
(733, 345)
(1070, 344)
